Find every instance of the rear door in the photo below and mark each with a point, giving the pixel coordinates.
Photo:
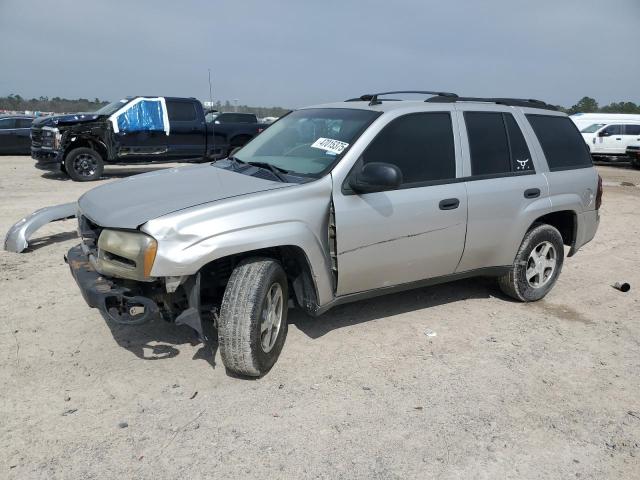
(187, 129)
(8, 135)
(23, 135)
(412, 233)
(505, 186)
(631, 135)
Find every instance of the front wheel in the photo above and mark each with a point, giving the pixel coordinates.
(84, 164)
(252, 326)
(537, 265)
(635, 162)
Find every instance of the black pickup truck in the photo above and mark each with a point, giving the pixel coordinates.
(134, 130)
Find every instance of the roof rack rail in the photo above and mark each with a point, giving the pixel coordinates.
(512, 102)
(372, 98)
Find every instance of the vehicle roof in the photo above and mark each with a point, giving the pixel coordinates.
(393, 105)
(8, 115)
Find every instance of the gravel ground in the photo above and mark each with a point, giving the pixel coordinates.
(503, 390)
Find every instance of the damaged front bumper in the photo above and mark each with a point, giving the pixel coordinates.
(113, 298)
(47, 159)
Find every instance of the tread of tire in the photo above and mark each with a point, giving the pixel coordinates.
(238, 306)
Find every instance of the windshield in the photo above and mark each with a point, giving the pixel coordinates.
(308, 142)
(593, 128)
(113, 107)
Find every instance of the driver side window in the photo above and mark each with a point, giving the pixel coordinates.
(421, 145)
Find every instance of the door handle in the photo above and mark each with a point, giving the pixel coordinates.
(532, 193)
(618, 138)
(449, 204)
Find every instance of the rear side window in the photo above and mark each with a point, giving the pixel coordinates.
(181, 111)
(613, 130)
(632, 129)
(496, 143)
(23, 123)
(562, 144)
(419, 144)
(7, 123)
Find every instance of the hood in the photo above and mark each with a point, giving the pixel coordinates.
(66, 119)
(134, 201)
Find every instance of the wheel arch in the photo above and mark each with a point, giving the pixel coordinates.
(565, 221)
(293, 259)
(86, 142)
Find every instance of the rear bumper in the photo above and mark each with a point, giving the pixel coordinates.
(114, 299)
(588, 223)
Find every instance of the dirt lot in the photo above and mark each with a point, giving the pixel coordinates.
(504, 390)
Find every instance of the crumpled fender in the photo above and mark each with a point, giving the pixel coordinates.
(17, 238)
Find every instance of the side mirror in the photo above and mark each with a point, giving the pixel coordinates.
(376, 177)
(603, 133)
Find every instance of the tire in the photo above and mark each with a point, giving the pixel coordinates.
(635, 162)
(244, 347)
(528, 280)
(84, 165)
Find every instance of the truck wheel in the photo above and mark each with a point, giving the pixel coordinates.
(252, 326)
(84, 164)
(635, 162)
(537, 265)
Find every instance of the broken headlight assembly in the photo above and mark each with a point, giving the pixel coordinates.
(51, 138)
(126, 254)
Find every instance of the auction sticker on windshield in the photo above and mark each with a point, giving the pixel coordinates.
(330, 145)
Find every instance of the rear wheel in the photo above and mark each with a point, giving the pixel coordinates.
(84, 164)
(252, 326)
(537, 265)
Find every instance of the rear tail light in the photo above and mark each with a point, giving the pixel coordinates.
(599, 193)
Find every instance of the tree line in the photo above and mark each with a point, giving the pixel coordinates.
(65, 105)
(62, 105)
(590, 105)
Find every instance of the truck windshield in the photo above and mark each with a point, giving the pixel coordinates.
(113, 107)
(308, 142)
(593, 128)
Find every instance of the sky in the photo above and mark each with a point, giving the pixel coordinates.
(293, 53)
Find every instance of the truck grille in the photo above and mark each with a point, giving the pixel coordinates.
(89, 232)
(36, 137)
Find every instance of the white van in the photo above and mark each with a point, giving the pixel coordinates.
(611, 138)
(584, 120)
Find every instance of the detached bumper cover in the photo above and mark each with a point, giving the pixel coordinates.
(117, 302)
(18, 236)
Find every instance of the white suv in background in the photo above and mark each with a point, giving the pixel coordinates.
(611, 138)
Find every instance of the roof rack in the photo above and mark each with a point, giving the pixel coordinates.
(446, 97)
(372, 98)
(512, 102)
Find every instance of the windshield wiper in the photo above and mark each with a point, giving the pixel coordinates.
(277, 171)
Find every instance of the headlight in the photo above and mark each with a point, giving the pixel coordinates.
(126, 254)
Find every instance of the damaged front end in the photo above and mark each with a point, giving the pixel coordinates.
(112, 270)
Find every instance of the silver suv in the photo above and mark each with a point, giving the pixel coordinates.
(337, 203)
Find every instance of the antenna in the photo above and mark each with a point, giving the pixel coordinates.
(210, 90)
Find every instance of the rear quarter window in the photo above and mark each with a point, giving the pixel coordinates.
(562, 144)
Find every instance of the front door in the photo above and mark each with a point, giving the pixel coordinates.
(416, 231)
(609, 140)
(141, 134)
